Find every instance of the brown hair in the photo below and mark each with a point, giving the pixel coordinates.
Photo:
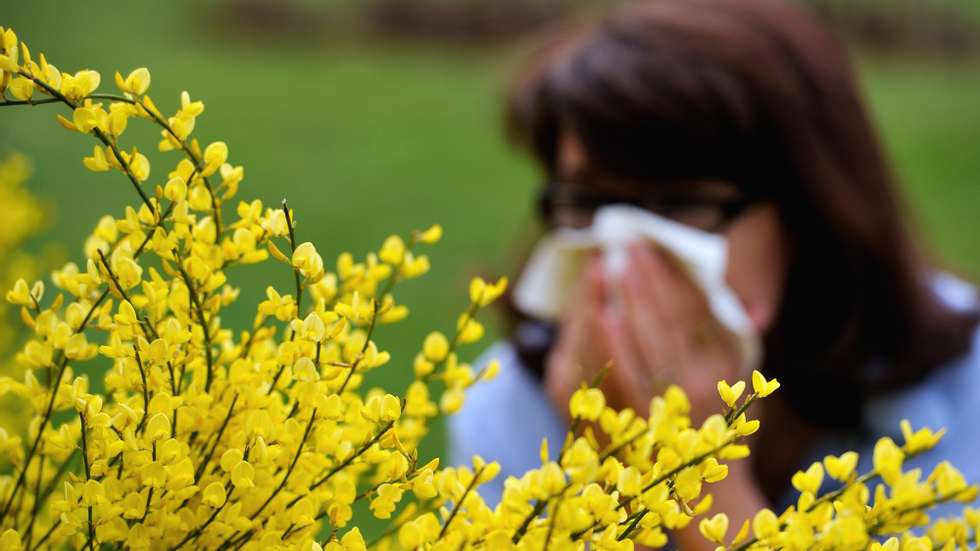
(755, 92)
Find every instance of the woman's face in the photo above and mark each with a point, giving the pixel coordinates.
(758, 254)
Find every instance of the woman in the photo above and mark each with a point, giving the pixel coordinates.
(739, 117)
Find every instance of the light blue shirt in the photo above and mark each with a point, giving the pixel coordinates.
(505, 419)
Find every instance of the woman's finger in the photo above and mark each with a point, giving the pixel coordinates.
(645, 329)
(682, 307)
(628, 382)
(575, 356)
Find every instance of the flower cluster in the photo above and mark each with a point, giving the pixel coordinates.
(857, 516)
(267, 439)
(23, 213)
(204, 438)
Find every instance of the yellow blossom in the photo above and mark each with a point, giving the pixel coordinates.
(920, 440)
(435, 347)
(730, 394)
(137, 82)
(762, 386)
(587, 403)
(715, 528)
(483, 293)
(840, 468)
(809, 480)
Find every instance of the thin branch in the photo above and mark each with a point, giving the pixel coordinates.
(194, 534)
(365, 447)
(199, 310)
(146, 395)
(292, 249)
(459, 504)
(221, 431)
(88, 476)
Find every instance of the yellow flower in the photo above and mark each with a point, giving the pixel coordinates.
(242, 475)
(687, 484)
(388, 497)
(730, 394)
(630, 481)
(8, 51)
(304, 370)
(452, 400)
(393, 250)
(383, 408)
(414, 266)
(587, 403)
(491, 371)
(98, 161)
(891, 544)
(89, 117)
(483, 293)
(81, 84)
(423, 485)
(714, 431)
(136, 83)
(715, 528)
(352, 541)
(20, 294)
(761, 386)
(139, 165)
(809, 480)
(435, 347)
(308, 261)
(431, 235)
(920, 440)
(888, 459)
(158, 428)
(10, 540)
(840, 468)
(21, 88)
(765, 524)
(215, 155)
(231, 458)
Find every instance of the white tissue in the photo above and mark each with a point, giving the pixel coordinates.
(545, 287)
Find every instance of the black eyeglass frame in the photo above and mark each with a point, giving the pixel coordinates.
(554, 193)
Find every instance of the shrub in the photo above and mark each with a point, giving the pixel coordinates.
(206, 439)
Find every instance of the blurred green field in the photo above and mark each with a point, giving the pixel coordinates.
(369, 139)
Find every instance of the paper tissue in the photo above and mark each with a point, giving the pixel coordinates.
(544, 288)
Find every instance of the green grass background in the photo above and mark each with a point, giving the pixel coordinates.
(365, 139)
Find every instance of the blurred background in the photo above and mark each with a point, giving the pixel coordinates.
(380, 116)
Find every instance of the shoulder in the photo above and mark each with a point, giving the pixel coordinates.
(504, 419)
(954, 291)
(508, 407)
(949, 398)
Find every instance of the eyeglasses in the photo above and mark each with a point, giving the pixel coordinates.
(563, 204)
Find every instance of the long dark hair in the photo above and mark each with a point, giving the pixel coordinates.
(756, 93)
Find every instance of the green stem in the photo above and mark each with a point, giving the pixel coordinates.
(221, 431)
(629, 529)
(30, 102)
(459, 504)
(193, 534)
(292, 249)
(88, 476)
(292, 466)
(146, 394)
(199, 311)
(342, 465)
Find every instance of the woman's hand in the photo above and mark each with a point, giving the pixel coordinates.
(580, 352)
(660, 331)
(654, 326)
